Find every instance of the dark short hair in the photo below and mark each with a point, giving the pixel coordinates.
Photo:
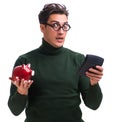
(52, 8)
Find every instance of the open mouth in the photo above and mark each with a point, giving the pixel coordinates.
(60, 39)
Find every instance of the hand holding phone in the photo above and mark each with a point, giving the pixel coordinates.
(91, 61)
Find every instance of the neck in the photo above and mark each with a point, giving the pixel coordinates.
(48, 49)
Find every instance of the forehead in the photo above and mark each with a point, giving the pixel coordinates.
(61, 18)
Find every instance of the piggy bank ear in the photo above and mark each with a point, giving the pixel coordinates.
(29, 65)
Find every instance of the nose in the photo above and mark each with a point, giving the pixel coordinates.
(61, 30)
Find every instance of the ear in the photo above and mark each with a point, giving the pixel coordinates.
(42, 27)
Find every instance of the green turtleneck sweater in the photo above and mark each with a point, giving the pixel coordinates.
(55, 93)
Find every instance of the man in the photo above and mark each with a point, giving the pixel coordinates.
(53, 93)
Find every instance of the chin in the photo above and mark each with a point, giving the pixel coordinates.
(59, 45)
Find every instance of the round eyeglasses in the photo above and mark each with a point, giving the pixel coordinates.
(57, 26)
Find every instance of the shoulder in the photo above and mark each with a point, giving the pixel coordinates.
(30, 53)
(76, 56)
(74, 53)
(26, 57)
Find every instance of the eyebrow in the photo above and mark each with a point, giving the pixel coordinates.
(58, 21)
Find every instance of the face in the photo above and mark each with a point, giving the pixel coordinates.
(54, 38)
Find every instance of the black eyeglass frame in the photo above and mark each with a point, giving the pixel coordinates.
(52, 25)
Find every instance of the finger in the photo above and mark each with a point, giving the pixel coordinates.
(29, 82)
(94, 75)
(23, 82)
(26, 84)
(95, 71)
(100, 68)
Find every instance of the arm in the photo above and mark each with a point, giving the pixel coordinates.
(16, 101)
(90, 89)
(18, 93)
(92, 97)
(18, 97)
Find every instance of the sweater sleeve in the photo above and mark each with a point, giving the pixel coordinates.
(92, 95)
(16, 101)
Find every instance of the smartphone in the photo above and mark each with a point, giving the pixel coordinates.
(91, 61)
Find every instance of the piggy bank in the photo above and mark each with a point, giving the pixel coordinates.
(22, 72)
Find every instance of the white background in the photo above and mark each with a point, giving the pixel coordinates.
(95, 30)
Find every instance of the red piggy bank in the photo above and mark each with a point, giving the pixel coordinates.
(22, 72)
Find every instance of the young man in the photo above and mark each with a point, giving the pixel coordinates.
(53, 93)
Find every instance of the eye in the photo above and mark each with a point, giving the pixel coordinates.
(55, 25)
(66, 26)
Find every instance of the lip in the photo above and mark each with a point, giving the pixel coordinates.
(60, 40)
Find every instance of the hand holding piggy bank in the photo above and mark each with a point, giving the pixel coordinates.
(22, 72)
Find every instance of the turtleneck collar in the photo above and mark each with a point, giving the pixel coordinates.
(48, 49)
